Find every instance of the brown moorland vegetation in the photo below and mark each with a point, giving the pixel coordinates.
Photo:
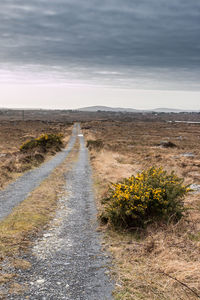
(162, 261)
(13, 134)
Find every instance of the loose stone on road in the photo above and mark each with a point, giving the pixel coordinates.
(67, 262)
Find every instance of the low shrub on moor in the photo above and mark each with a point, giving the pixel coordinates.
(150, 196)
(45, 142)
(94, 144)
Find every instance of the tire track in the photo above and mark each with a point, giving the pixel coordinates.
(67, 261)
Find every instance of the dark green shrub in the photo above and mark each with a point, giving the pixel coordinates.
(150, 196)
(94, 144)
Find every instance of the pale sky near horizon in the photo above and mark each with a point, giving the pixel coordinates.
(71, 97)
(70, 53)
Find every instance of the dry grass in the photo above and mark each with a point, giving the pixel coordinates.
(146, 260)
(27, 220)
(162, 262)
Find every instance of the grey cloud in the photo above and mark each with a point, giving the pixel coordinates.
(109, 33)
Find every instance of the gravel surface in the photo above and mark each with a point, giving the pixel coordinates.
(20, 189)
(67, 261)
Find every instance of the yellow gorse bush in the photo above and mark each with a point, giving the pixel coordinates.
(44, 142)
(138, 200)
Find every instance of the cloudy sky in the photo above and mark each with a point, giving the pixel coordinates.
(72, 53)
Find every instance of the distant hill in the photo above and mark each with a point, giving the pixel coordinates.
(120, 109)
(168, 110)
(106, 108)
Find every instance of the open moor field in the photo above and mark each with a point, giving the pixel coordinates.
(163, 261)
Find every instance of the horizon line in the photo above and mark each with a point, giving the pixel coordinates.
(112, 107)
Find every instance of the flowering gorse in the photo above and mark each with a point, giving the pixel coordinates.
(151, 195)
(44, 142)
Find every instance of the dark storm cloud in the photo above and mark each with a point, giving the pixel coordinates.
(114, 33)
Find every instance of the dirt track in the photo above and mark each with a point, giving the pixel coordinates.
(67, 262)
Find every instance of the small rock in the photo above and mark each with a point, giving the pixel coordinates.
(47, 235)
(189, 154)
(167, 144)
(40, 281)
(195, 187)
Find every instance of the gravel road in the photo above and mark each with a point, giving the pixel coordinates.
(20, 189)
(67, 261)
